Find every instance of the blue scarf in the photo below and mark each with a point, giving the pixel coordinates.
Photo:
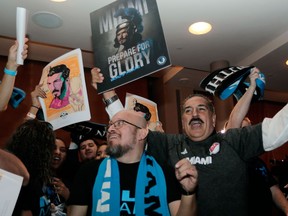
(106, 190)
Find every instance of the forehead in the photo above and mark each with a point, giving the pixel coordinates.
(123, 115)
(54, 76)
(195, 101)
(102, 147)
(60, 143)
(131, 116)
(122, 31)
(87, 141)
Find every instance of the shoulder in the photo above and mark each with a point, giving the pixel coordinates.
(163, 136)
(89, 167)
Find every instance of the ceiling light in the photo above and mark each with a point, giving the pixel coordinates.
(58, 0)
(184, 79)
(200, 28)
(47, 19)
(287, 62)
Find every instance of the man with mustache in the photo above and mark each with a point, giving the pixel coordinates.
(219, 158)
(58, 84)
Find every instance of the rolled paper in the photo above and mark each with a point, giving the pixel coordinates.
(21, 21)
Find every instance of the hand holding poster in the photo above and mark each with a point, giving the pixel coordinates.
(128, 42)
(64, 83)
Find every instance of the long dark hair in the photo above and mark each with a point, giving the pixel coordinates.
(33, 142)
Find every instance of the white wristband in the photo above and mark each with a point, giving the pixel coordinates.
(31, 115)
(113, 108)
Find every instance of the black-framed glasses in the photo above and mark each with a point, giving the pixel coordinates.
(119, 123)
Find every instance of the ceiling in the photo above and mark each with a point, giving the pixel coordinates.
(244, 33)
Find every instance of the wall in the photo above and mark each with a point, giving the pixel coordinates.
(28, 77)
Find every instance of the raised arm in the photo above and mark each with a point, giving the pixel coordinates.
(35, 106)
(241, 108)
(10, 72)
(112, 102)
(275, 130)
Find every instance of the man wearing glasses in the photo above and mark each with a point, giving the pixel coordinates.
(130, 182)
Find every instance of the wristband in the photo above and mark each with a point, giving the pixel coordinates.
(109, 101)
(35, 106)
(31, 115)
(187, 193)
(10, 72)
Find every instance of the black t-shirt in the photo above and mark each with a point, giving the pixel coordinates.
(221, 164)
(32, 197)
(260, 181)
(81, 192)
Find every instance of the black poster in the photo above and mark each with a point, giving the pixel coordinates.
(128, 42)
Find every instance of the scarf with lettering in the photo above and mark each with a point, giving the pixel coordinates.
(106, 190)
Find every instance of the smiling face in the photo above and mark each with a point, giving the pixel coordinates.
(197, 119)
(88, 150)
(126, 133)
(59, 154)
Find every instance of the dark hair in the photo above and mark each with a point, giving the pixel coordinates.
(62, 68)
(209, 102)
(33, 142)
(138, 107)
(87, 137)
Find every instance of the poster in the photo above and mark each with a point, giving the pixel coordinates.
(66, 99)
(10, 185)
(128, 42)
(131, 100)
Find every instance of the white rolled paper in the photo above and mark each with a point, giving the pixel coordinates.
(21, 21)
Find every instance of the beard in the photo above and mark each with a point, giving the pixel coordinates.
(117, 151)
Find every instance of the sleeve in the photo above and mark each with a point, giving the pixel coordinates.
(275, 130)
(114, 107)
(157, 147)
(81, 191)
(172, 184)
(165, 148)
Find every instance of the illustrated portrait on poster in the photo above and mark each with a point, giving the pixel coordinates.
(64, 83)
(128, 41)
(138, 103)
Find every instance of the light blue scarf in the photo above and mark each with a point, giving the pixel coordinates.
(150, 183)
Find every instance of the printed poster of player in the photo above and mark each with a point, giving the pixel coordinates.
(66, 99)
(128, 41)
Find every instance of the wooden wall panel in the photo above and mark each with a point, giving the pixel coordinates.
(28, 77)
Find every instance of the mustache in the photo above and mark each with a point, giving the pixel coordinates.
(195, 119)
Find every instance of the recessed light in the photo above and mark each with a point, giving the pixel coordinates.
(184, 79)
(47, 20)
(200, 28)
(58, 0)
